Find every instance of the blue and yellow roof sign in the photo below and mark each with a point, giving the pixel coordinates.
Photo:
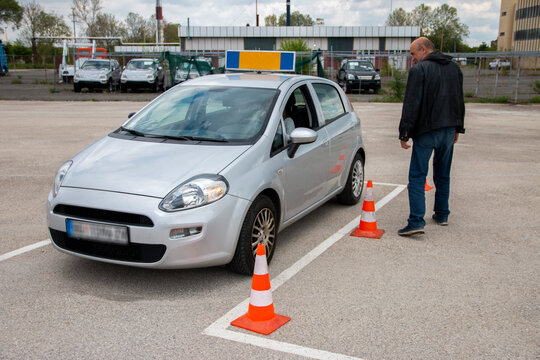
(260, 60)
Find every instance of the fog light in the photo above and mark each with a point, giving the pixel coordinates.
(181, 233)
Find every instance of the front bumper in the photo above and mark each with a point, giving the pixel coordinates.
(92, 83)
(365, 84)
(149, 246)
(136, 84)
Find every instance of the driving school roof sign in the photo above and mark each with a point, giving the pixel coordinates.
(260, 60)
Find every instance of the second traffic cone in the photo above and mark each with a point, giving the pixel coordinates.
(427, 187)
(368, 224)
(261, 317)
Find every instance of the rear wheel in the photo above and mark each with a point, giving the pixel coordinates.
(355, 183)
(259, 227)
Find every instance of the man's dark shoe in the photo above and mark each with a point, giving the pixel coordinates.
(410, 230)
(440, 221)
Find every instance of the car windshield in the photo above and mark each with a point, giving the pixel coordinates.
(95, 65)
(360, 66)
(231, 114)
(204, 68)
(140, 65)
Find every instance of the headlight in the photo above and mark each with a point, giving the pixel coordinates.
(60, 175)
(124, 76)
(76, 76)
(196, 192)
(103, 77)
(377, 77)
(149, 76)
(351, 77)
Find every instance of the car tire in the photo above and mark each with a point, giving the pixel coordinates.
(260, 226)
(76, 88)
(155, 86)
(346, 88)
(355, 182)
(110, 86)
(123, 88)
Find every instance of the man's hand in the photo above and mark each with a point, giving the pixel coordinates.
(404, 144)
(456, 137)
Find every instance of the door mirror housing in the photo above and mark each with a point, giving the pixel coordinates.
(298, 137)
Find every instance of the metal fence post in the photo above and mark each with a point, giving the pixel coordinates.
(496, 80)
(517, 79)
(477, 64)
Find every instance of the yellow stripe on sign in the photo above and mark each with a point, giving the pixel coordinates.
(260, 60)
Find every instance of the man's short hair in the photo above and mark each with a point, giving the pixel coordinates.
(423, 41)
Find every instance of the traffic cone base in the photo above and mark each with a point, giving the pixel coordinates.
(372, 234)
(261, 317)
(262, 327)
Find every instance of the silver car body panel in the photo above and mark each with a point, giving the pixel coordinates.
(133, 176)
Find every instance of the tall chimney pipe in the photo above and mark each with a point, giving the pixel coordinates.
(159, 22)
(288, 12)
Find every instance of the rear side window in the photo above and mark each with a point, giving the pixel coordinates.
(330, 100)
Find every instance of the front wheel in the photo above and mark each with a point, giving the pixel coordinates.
(355, 183)
(259, 227)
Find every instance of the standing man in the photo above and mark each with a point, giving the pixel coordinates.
(432, 116)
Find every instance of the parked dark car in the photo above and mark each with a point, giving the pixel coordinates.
(358, 74)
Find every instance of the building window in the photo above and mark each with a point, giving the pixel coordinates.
(503, 13)
(529, 34)
(502, 34)
(528, 12)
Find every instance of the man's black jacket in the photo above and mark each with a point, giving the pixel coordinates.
(433, 98)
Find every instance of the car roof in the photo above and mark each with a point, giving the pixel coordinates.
(269, 80)
(142, 59)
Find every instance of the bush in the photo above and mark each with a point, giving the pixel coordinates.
(536, 86)
(398, 84)
(535, 100)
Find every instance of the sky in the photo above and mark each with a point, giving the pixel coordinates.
(482, 16)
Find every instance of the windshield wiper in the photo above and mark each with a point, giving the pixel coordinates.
(194, 138)
(131, 131)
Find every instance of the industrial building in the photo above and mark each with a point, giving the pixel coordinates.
(367, 39)
(519, 25)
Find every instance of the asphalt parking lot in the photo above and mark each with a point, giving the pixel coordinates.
(466, 291)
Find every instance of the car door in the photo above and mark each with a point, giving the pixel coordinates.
(340, 126)
(305, 174)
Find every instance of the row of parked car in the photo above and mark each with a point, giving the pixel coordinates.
(137, 74)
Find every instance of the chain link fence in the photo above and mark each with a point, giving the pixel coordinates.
(503, 76)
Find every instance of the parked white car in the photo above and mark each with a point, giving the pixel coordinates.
(498, 63)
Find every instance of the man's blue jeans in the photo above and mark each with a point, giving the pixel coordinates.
(442, 142)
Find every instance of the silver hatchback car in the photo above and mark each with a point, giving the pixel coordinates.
(207, 171)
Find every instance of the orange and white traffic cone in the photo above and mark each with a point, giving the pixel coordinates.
(427, 187)
(368, 224)
(261, 317)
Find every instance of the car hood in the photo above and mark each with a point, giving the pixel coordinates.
(146, 168)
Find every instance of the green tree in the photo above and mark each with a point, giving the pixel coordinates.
(441, 25)
(170, 32)
(86, 12)
(138, 29)
(37, 23)
(294, 45)
(297, 19)
(106, 25)
(399, 17)
(10, 12)
(271, 20)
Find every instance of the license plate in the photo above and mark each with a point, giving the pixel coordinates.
(97, 232)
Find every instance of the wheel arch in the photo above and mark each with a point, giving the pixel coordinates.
(273, 195)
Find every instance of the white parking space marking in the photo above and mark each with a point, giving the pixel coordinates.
(22, 250)
(220, 327)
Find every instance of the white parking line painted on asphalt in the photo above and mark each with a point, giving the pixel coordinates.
(22, 250)
(220, 327)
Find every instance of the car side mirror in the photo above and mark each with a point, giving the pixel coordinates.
(298, 137)
(377, 70)
(131, 114)
(159, 68)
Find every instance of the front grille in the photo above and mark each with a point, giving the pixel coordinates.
(142, 253)
(103, 215)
